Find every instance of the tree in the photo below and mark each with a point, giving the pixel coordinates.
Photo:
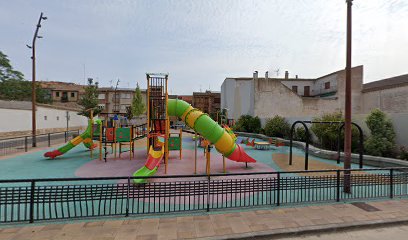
(13, 86)
(138, 107)
(382, 139)
(247, 123)
(277, 127)
(6, 69)
(327, 134)
(90, 99)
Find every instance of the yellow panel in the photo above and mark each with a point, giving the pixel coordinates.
(192, 117)
(225, 144)
(87, 140)
(76, 140)
(183, 117)
(156, 154)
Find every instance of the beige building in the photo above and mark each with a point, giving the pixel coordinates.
(294, 98)
(116, 101)
(303, 99)
(62, 92)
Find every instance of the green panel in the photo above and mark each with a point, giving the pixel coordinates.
(123, 134)
(143, 172)
(208, 128)
(66, 147)
(174, 143)
(176, 107)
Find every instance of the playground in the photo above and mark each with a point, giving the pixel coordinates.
(112, 168)
(113, 149)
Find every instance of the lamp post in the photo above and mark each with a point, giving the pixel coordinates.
(33, 95)
(347, 115)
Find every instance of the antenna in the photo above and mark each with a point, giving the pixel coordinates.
(84, 75)
(277, 72)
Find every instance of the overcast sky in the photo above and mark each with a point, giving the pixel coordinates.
(201, 42)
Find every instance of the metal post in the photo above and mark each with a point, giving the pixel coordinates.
(391, 183)
(195, 153)
(338, 186)
(32, 201)
(33, 83)
(127, 196)
(347, 115)
(208, 192)
(26, 144)
(65, 135)
(49, 139)
(278, 187)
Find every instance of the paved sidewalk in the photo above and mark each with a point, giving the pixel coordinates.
(276, 221)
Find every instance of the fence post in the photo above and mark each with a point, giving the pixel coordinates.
(278, 190)
(128, 197)
(32, 201)
(26, 144)
(338, 186)
(49, 139)
(65, 135)
(391, 183)
(208, 193)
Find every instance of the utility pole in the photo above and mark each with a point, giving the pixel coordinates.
(347, 116)
(33, 93)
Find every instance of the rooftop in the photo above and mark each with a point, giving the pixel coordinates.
(386, 83)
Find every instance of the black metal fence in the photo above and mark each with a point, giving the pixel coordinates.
(48, 199)
(23, 144)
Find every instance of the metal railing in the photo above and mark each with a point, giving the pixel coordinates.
(66, 198)
(23, 144)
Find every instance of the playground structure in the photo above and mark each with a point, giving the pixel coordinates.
(85, 138)
(157, 129)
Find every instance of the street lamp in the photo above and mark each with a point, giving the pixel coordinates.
(33, 96)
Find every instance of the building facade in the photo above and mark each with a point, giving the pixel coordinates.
(293, 98)
(63, 92)
(208, 101)
(304, 99)
(117, 101)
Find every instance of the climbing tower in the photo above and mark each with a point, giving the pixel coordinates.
(158, 123)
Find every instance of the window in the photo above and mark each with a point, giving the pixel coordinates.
(327, 85)
(57, 94)
(45, 118)
(101, 96)
(72, 94)
(125, 95)
(217, 100)
(294, 89)
(57, 118)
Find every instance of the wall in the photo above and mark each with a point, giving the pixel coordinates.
(300, 85)
(20, 120)
(238, 97)
(391, 100)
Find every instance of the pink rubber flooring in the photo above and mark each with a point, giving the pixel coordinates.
(125, 167)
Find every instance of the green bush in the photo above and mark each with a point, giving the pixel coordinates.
(403, 154)
(247, 123)
(277, 127)
(327, 134)
(300, 134)
(382, 139)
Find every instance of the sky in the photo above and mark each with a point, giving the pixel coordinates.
(201, 42)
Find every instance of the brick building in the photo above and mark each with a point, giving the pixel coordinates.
(208, 101)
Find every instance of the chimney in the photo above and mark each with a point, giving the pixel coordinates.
(296, 77)
(266, 75)
(286, 74)
(255, 75)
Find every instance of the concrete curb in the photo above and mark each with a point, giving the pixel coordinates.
(332, 155)
(298, 231)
